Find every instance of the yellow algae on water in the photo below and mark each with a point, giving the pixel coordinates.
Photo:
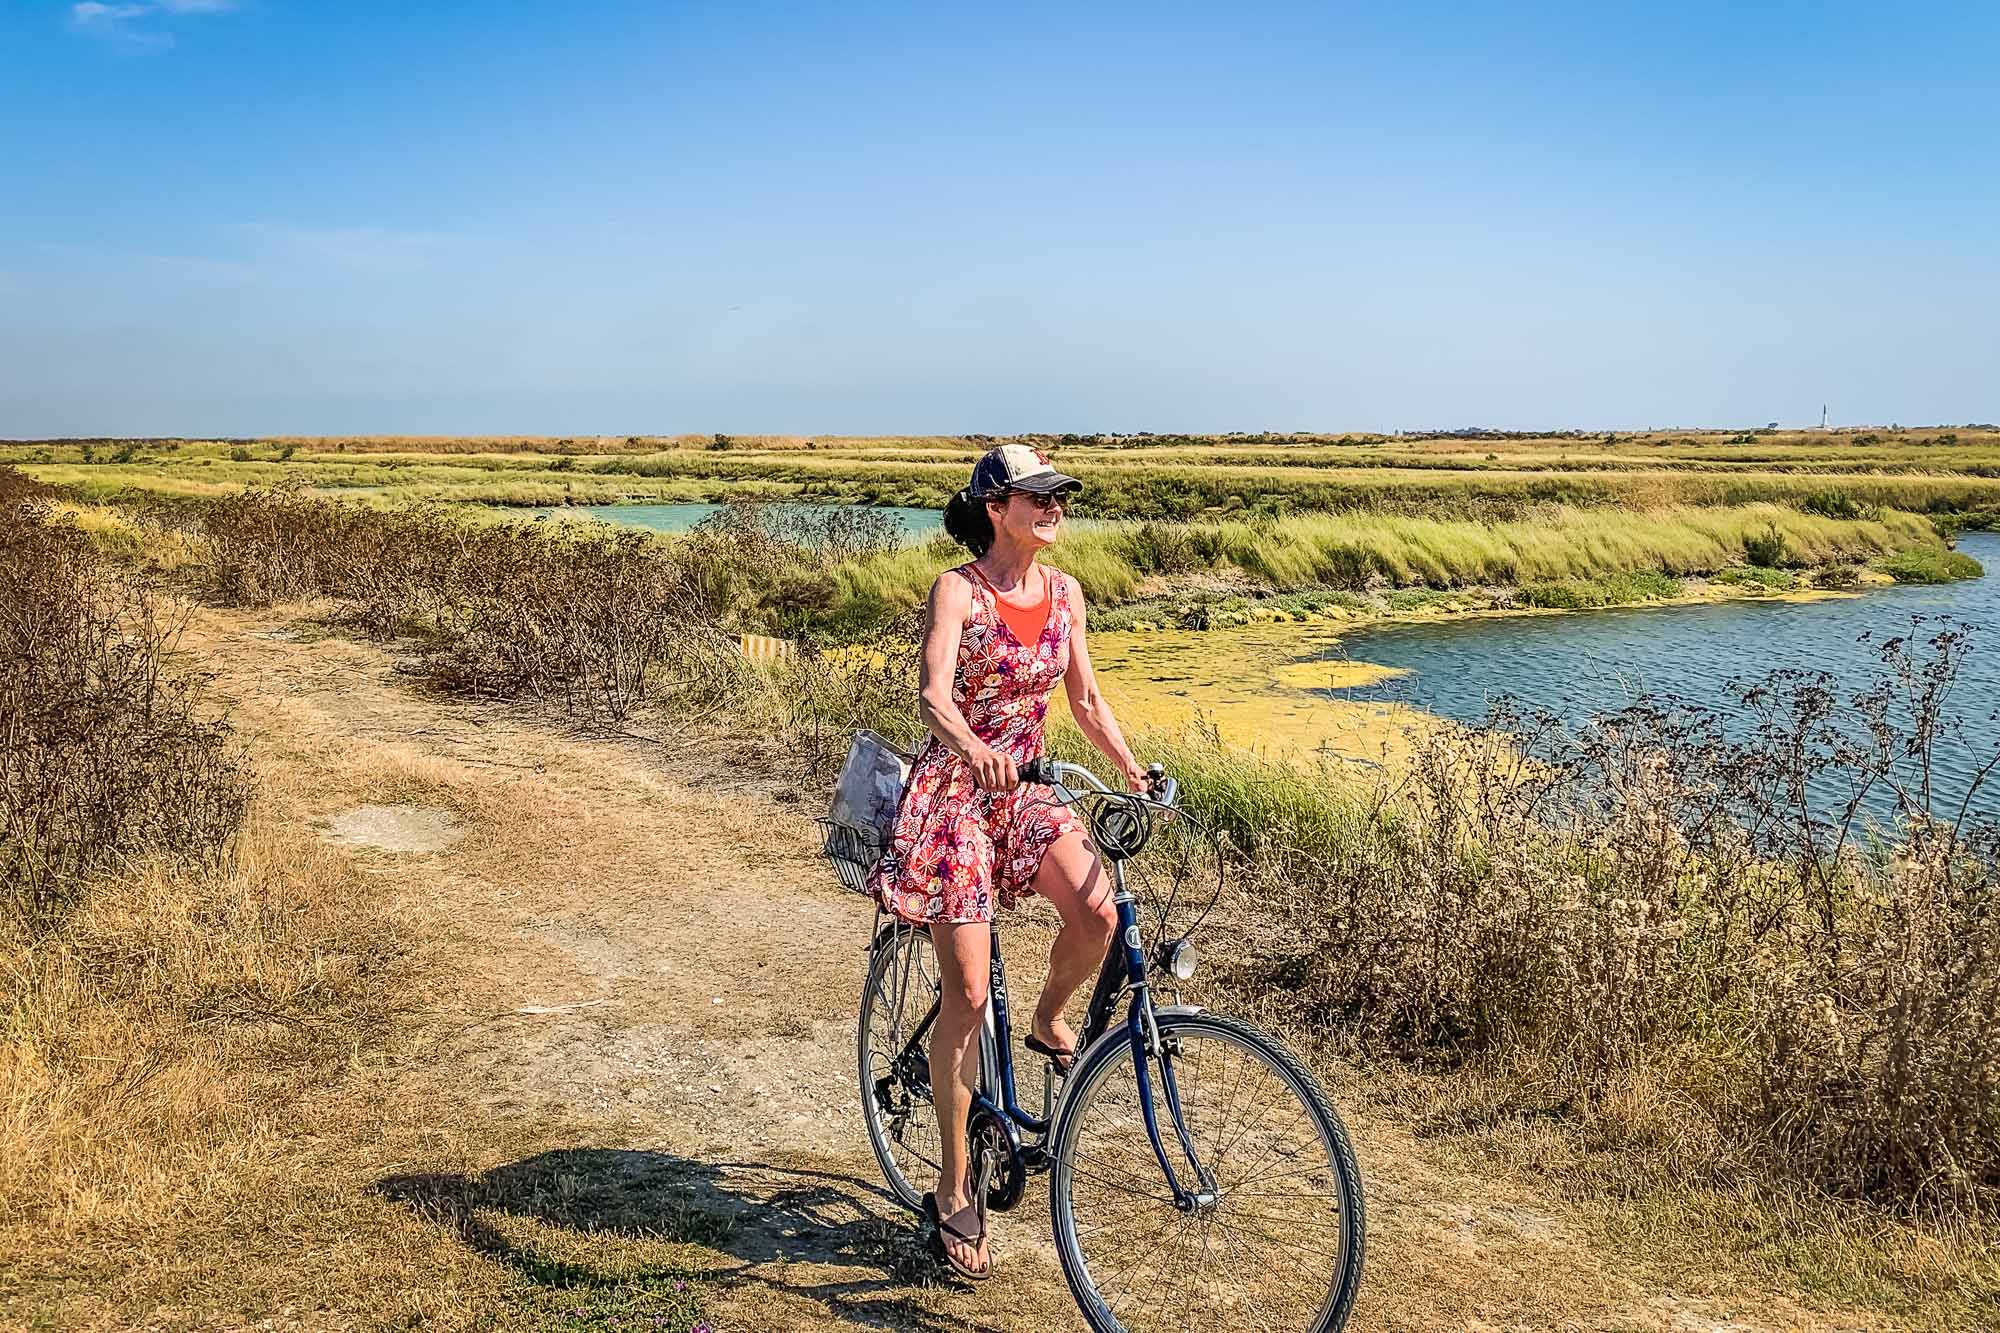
(1255, 686)
(1334, 673)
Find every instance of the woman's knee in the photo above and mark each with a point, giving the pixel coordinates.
(1103, 916)
(966, 994)
(1091, 905)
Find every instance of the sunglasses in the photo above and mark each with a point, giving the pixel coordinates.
(1044, 503)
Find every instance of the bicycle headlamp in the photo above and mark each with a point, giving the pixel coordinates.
(1182, 959)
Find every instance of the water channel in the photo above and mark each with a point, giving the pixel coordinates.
(912, 524)
(1348, 693)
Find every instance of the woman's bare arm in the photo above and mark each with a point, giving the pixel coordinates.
(1088, 704)
(944, 626)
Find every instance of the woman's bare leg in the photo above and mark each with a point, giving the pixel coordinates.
(1072, 878)
(965, 965)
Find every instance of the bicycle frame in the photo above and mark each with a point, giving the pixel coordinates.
(1124, 972)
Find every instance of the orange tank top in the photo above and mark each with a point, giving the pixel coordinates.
(1027, 622)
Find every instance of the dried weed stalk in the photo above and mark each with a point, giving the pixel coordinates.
(1790, 926)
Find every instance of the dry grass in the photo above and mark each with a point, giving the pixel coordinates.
(592, 621)
(224, 1101)
(1623, 1175)
(199, 1078)
(165, 1081)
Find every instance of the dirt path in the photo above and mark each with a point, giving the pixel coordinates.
(660, 981)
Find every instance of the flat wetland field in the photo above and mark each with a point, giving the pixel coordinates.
(1292, 533)
(1147, 477)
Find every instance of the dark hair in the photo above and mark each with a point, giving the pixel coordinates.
(968, 523)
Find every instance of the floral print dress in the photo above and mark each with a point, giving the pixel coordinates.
(957, 850)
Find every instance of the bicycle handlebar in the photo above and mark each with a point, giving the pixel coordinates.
(1048, 772)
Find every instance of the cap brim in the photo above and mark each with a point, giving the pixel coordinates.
(1047, 483)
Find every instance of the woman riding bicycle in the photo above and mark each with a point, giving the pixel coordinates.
(1000, 631)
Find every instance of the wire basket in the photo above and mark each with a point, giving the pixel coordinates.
(853, 851)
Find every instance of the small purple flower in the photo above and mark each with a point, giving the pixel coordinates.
(680, 1286)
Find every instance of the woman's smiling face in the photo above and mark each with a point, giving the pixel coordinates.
(1032, 520)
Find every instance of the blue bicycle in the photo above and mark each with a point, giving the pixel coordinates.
(1199, 1176)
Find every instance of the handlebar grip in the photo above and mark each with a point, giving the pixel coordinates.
(1041, 770)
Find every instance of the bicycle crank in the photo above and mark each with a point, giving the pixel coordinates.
(997, 1168)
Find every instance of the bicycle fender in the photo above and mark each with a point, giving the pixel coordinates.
(888, 932)
(1121, 1032)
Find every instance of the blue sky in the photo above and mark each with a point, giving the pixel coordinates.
(270, 216)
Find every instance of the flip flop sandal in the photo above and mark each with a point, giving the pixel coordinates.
(941, 1227)
(1061, 1058)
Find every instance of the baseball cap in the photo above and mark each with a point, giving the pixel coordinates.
(1016, 467)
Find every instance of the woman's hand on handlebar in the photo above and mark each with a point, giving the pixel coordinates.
(1138, 778)
(992, 770)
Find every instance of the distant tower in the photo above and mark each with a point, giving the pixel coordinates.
(1822, 416)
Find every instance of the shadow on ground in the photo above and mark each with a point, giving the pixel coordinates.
(776, 1228)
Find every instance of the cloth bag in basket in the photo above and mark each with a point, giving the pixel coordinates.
(869, 789)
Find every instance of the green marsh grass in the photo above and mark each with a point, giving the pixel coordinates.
(1356, 551)
(1929, 565)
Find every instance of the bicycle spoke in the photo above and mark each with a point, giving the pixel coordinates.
(1304, 1169)
(1207, 1235)
(1138, 1185)
(1281, 1093)
(1185, 1284)
(1243, 1221)
(1147, 1250)
(1274, 1241)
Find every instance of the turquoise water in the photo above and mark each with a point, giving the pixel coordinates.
(1594, 662)
(913, 524)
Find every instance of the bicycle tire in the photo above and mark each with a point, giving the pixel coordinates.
(1164, 1247)
(897, 1132)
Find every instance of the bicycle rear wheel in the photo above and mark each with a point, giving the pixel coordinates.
(898, 1007)
(1279, 1247)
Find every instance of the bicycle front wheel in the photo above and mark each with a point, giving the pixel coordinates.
(1276, 1241)
(898, 1007)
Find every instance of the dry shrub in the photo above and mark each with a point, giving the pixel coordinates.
(771, 567)
(829, 694)
(597, 623)
(1781, 935)
(282, 544)
(106, 754)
